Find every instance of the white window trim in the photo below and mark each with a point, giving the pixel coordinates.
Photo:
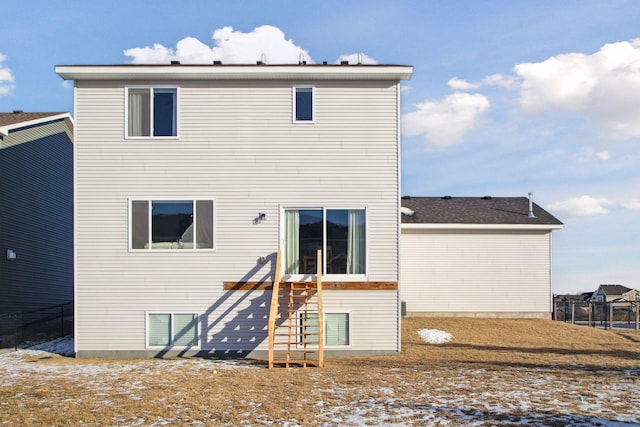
(350, 324)
(169, 199)
(170, 313)
(126, 112)
(324, 318)
(326, 277)
(313, 104)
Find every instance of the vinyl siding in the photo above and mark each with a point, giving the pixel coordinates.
(237, 145)
(36, 217)
(476, 271)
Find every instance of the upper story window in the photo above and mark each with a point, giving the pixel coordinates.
(303, 104)
(171, 224)
(152, 112)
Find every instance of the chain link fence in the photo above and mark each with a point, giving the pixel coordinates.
(607, 315)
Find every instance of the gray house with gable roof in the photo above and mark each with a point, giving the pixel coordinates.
(476, 256)
(614, 293)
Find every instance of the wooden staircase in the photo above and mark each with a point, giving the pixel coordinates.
(296, 322)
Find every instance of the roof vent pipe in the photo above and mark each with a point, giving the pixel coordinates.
(530, 214)
(359, 59)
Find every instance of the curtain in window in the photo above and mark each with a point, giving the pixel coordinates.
(204, 224)
(356, 251)
(139, 224)
(292, 242)
(136, 111)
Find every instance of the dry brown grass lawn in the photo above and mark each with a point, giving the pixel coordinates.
(494, 372)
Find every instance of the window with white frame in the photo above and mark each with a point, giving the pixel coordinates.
(303, 104)
(172, 329)
(340, 233)
(171, 224)
(152, 112)
(337, 329)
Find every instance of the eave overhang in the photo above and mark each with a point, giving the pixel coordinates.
(435, 226)
(234, 72)
(4, 130)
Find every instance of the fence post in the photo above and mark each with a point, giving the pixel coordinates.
(573, 312)
(611, 314)
(15, 334)
(62, 320)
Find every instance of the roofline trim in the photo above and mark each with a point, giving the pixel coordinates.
(234, 72)
(453, 226)
(4, 130)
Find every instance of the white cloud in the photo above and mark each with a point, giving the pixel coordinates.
(6, 77)
(492, 80)
(499, 80)
(355, 58)
(581, 206)
(229, 46)
(589, 154)
(459, 84)
(444, 123)
(603, 86)
(157, 54)
(632, 204)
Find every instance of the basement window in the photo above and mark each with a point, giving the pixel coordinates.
(172, 330)
(337, 329)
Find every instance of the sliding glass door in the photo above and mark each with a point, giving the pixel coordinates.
(340, 233)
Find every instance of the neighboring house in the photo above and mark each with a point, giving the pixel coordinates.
(476, 256)
(614, 293)
(36, 210)
(189, 179)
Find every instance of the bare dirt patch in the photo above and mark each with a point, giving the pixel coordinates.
(494, 372)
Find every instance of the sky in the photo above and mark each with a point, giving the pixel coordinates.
(507, 97)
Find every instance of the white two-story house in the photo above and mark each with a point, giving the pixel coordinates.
(190, 178)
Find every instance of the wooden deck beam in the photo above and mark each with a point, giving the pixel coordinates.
(341, 286)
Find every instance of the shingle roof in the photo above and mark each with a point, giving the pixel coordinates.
(19, 117)
(474, 210)
(614, 289)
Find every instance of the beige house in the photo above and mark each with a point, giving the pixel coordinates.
(476, 257)
(189, 179)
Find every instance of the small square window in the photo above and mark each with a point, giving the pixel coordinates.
(337, 329)
(152, 112)
(303, 100)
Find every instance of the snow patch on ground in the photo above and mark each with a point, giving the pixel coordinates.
(434, 336)
(62, 346)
